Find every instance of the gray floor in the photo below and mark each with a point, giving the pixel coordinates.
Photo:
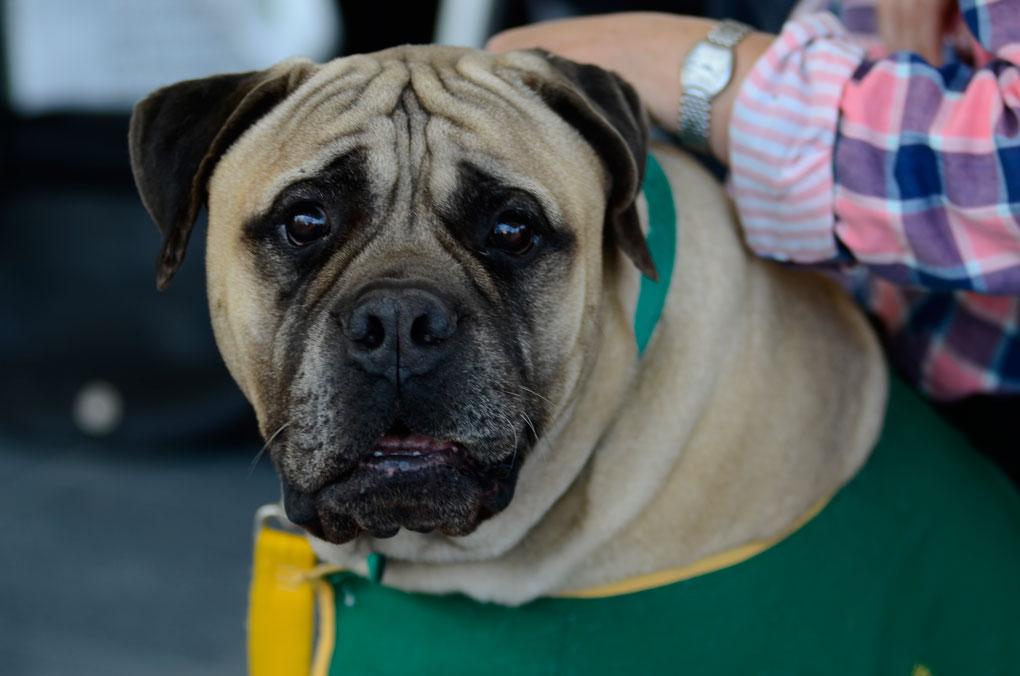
(113, 565)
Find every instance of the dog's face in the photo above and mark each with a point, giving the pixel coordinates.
(406, 260)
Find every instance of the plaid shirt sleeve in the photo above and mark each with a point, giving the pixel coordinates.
(909, 171)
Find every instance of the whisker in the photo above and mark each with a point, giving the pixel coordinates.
(512, 429)
(272, 437)
(526, 389)
(513, 460)
(530, 424)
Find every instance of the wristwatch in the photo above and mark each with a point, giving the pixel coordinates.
(707, 70)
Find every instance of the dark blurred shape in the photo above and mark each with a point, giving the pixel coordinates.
(371, 26)
(78, 301)
(990, 423)
(64, 149)
(766, 16)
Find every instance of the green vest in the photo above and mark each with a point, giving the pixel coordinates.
(912, 568)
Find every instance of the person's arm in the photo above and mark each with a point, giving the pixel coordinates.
(798, 128)
(647, 49)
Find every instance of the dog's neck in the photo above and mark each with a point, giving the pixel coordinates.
(761, 393)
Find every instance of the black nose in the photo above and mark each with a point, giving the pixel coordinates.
(399, 333)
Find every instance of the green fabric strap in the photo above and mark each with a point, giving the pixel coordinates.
(662, 244)
(376, 566)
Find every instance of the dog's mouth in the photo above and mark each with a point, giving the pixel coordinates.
(393, 453)
(406, 480)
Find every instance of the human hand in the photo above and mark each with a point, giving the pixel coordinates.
(918, 26)
(647, 49)
(644, 48)
(627, 43)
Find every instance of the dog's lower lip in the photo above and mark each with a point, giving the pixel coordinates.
(400, 455)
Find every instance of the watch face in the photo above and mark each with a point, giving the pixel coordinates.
(708, 67)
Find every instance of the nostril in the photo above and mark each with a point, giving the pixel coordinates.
(371, 334)
(432, 327)
(422, 334)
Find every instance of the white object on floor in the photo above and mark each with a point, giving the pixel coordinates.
(98, 408)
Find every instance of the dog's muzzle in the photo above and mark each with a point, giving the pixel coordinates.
(397, 437)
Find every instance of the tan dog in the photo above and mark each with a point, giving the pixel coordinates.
(423, 268)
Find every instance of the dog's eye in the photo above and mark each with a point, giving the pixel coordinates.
(306, 224)
(512, 234)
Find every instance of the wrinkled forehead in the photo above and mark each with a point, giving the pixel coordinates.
(425, 112)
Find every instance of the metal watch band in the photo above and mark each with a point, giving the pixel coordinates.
(728, 33)
(695, 114)
(694, 120)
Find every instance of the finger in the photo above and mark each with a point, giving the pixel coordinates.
(925, 36)
(962, 43)
(912, 25)
(887, 20)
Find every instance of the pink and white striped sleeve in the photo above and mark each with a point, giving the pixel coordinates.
(782, 136)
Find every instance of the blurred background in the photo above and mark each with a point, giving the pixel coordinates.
(127, 489)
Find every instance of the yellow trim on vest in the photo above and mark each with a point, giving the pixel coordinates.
(327, 627)
(281, 606)
(708, 564)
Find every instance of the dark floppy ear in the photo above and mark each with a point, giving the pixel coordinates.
(178, 134)
(608, 114)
